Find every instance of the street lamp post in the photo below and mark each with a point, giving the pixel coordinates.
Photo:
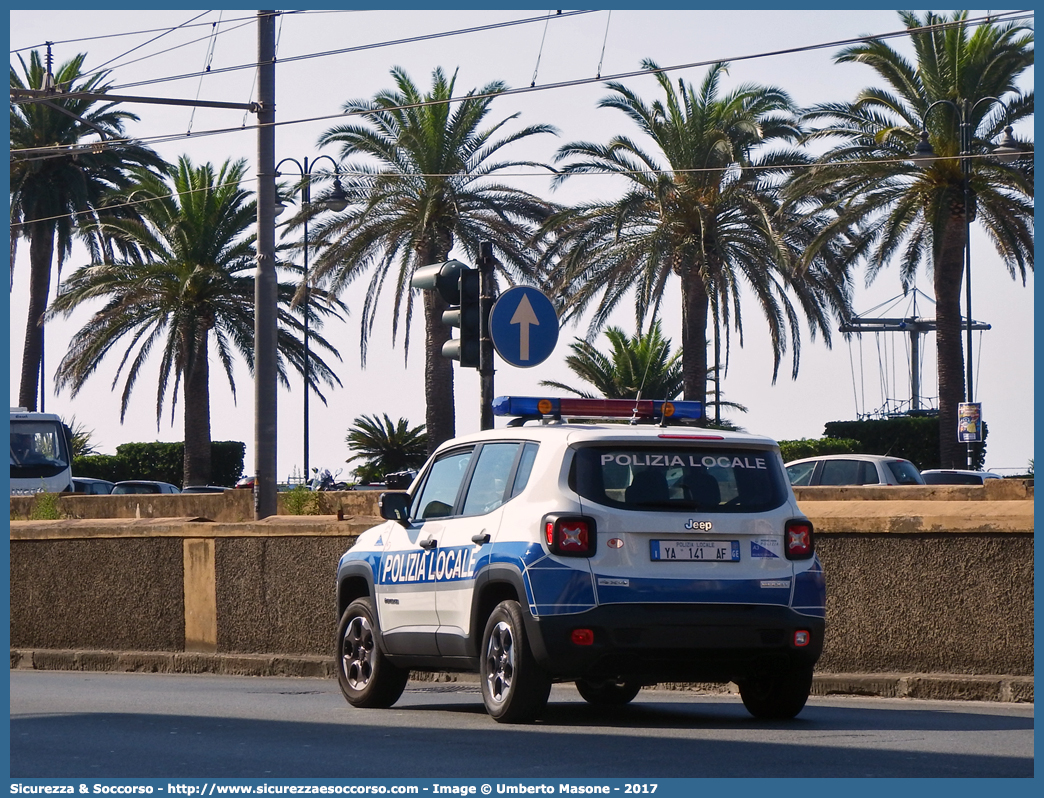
(337, 201)
(1006, 151)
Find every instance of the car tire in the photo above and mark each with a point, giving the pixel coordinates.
(779, 694)
(514, 687)
(608, 693)
(365, 675)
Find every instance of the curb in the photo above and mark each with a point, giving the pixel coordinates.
(928, 686)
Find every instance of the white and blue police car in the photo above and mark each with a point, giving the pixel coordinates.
(611, 555)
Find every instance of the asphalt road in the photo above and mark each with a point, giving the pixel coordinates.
(108, 725)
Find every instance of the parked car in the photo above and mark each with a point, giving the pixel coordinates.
(400, 480)
(89, 485)
(143, 486)
(204, 489)
(853, 469)
(611, 555)
(950, 476)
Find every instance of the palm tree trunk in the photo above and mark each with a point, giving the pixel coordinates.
(41, 252)
(695, 304)
(948, 276)
(197, 412)
(438, 374)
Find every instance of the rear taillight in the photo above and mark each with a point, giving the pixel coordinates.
(798, 542)
(582, 637)
(570, 535)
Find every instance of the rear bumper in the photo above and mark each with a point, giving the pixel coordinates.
(675, 642)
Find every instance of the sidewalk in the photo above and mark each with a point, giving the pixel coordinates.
(932, 686)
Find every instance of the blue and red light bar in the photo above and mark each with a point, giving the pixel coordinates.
(555, 407)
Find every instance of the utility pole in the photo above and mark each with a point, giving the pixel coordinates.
(265, 296)
(265, 289)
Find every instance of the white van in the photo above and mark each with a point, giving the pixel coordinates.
(41, 457)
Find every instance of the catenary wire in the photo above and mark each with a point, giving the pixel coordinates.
(601, 58)
(540, 52)
(1015, 15)
(98, 69)
(207, 61)
(201, 74)
(524, 90)
(51, 152)
(136, 33)
(359, 48)
(281, 15)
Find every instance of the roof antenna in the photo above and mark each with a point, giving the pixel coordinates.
(638, 396)
(645, 376)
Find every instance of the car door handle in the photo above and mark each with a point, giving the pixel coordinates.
(480, 538)
(430, 543)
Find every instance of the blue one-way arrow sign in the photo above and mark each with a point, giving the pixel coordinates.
(524, 326)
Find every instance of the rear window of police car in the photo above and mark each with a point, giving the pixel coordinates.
(680, 478)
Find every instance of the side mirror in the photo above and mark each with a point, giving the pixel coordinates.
(395, 506)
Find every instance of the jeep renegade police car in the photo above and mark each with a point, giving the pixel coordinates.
(611, 555)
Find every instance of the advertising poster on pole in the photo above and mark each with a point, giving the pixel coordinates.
(969, 422)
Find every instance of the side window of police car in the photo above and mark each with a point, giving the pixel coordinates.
(438, 495)
(525, 468)
(489, 482)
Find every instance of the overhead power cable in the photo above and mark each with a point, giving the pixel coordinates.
(362, 47)
(143, 44)
(601, 58)
(540, 52)
(59, 151)
(200, 74)
(134, 33)
(207, 61)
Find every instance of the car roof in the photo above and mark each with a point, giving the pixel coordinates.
(872, 458)
(984, 474)
(567, 434)
(92, 479)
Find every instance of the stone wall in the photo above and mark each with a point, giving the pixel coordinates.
(230, 506)
(914, 584)
(928, 603)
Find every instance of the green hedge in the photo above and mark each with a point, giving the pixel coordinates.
(813, 447)
(100, 466)
(915, 438)
(161, 461)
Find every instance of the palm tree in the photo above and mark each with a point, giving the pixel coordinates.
(914, 213)
(80, 438)
(187, 274)
(701, 208)
(425, 184)
(57, 180)
(639, 366)
(386, 447)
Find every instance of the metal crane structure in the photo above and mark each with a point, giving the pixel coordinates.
(915, 325)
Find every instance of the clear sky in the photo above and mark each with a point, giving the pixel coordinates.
(354, 52)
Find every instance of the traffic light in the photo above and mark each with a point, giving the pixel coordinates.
(460, 286)
(465, 316)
